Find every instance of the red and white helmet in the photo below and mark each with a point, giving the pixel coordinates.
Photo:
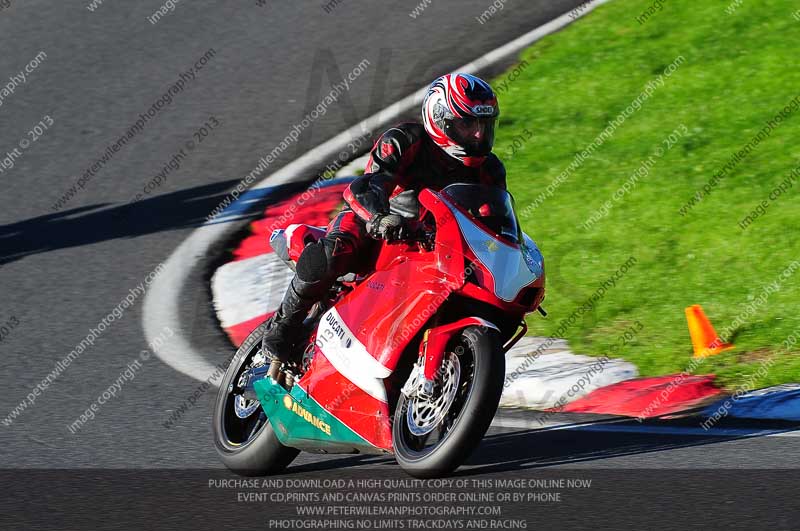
(459, 113)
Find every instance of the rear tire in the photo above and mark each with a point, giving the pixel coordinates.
(470, 413)
(262, 453)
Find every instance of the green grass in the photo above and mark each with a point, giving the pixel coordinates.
(739, 71)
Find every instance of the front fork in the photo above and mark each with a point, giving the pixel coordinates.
(432, 349)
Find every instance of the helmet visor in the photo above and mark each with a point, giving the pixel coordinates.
(475, 135)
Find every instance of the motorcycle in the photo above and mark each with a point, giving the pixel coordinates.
(405, 358)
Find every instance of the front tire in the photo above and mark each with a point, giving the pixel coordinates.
(476, 357)
(247, 446)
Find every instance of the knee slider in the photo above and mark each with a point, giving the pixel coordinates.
(313, 264)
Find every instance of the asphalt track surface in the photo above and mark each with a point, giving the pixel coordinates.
(62, 272)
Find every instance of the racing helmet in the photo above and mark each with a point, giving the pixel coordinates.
(459, 113)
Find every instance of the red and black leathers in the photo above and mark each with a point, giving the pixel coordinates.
(403, 161)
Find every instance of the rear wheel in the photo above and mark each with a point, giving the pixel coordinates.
(433, 435)
(243, 435)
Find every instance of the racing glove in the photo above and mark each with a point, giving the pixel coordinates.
(385, 227)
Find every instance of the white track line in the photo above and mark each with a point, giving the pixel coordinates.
(161, 304)
(616, 426)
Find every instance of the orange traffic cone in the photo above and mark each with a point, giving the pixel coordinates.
(705, 340)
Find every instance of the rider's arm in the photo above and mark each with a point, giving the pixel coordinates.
(368, 195)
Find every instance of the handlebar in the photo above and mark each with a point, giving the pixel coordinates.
(415, 231)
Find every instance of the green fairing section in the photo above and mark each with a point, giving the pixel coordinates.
(299, 421)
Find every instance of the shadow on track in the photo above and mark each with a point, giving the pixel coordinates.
(572, 444)
(101, 222)
(541, 448)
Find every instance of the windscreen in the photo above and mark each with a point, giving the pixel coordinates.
(491, 206)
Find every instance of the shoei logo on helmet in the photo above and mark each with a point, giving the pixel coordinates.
(483, 110)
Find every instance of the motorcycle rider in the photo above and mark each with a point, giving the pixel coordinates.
(453, 144)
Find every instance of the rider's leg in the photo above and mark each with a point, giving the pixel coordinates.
(318, 266)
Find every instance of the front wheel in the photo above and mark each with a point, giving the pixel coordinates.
(433, 435)
(243, 435)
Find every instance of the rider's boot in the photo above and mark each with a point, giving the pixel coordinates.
(286, 323)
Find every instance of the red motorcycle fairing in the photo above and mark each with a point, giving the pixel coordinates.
(352, 355)
(344, 400)
(360, 341)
